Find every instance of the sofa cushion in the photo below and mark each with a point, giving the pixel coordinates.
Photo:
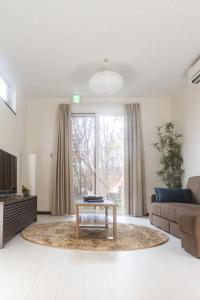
(161, 223)
(187, 209)
(173, 211)
(168, 210)
(173, 195)
(155, 208)
(190, 224)
(194, 185)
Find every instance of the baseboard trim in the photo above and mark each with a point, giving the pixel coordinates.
(43, 212)
(49, 213)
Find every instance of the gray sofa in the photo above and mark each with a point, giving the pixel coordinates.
(180, 219)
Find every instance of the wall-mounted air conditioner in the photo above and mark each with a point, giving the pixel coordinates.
(194, 74)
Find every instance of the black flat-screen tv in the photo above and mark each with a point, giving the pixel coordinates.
(8, 173)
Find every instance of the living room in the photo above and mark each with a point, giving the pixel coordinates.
(85, 88)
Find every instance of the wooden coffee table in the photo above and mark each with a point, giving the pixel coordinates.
(90, 219)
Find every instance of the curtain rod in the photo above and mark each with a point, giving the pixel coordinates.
(81, 103)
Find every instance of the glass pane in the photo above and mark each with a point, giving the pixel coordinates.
(83, 147)
(4, 90)
(111, 158)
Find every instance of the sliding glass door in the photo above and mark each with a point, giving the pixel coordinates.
(98, 156)
(84, 156)
(111, 158)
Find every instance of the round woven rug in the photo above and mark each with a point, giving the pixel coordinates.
(62, 235)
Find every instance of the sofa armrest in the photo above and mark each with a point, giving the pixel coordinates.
(153, 198)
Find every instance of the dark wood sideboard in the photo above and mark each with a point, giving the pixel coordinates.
(16, 212)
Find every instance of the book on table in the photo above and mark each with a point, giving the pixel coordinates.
(93, 198)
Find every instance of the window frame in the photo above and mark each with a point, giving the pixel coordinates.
(97, 114)
(9, 102)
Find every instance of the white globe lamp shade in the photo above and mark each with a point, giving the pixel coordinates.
(106, 83)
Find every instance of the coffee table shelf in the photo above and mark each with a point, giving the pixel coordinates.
(94, 219)
(97, 219)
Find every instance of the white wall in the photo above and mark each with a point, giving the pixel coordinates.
(12, 132)
(185, 112)
(41, 120)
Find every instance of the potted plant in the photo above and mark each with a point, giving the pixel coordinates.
(169, 145)
(25, 191)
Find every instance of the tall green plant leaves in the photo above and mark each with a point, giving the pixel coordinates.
(168, 143)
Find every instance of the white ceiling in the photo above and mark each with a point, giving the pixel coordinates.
(53, 46)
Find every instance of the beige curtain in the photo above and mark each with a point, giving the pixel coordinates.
(136, 174)
(63, 189)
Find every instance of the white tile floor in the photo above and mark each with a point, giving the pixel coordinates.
(30, 271)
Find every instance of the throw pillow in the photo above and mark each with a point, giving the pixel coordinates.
(173, 195)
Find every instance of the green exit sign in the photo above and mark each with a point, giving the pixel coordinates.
(76, 98)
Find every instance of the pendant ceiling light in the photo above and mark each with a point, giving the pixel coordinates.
(106, 82)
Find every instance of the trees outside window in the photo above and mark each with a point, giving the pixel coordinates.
(98, 156)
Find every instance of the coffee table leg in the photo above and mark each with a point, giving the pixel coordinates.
(114, 223)
(77, 221)
(106, 217)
